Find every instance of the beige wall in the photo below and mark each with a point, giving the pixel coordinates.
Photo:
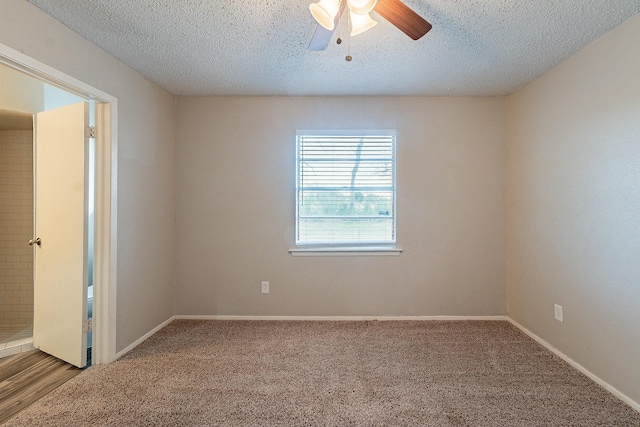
(16, 227)
(19, 92)
(146, 195)
(574, 207)
(235, 209)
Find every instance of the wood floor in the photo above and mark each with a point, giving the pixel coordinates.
(26, 377)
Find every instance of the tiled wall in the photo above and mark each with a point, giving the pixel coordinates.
(16, 227)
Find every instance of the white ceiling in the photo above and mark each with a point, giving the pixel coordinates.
(251, 47)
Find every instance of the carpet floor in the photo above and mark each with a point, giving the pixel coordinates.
(395, 373)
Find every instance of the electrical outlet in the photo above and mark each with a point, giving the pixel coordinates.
(557, 312)
(265, 287)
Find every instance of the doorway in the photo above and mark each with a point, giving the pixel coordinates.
(16, 219)
(17, 173)
(104, 268)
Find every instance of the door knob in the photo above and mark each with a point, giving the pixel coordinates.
(35, 241)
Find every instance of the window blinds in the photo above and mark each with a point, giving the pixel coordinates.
(345, 187)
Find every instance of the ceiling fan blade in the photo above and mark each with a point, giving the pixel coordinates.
(321, 36)
(400, 15)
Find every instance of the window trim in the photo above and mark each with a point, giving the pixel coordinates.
(348, 248)
(347, 251)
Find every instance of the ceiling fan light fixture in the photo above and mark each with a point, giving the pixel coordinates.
(361, 23)
(361, 7)
(325, 12)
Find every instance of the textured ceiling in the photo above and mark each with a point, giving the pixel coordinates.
(250, 47)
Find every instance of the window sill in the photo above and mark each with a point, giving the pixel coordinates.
(346, 251)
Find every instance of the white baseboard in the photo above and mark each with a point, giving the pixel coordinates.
(626, 399)
(143, 338)
(337, 318)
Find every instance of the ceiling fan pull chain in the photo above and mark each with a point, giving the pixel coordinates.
(339, 29)
(348, 58)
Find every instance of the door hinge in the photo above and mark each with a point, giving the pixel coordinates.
(90, 132)
(88, 325)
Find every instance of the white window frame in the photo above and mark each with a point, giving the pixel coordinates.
(350, 249)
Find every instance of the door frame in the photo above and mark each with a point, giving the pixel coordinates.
(105, 251)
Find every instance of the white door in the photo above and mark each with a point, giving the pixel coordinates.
(61, 190)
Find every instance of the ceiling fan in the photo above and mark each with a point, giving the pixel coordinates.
(328, 12)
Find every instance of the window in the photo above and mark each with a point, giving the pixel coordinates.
(345, 189)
